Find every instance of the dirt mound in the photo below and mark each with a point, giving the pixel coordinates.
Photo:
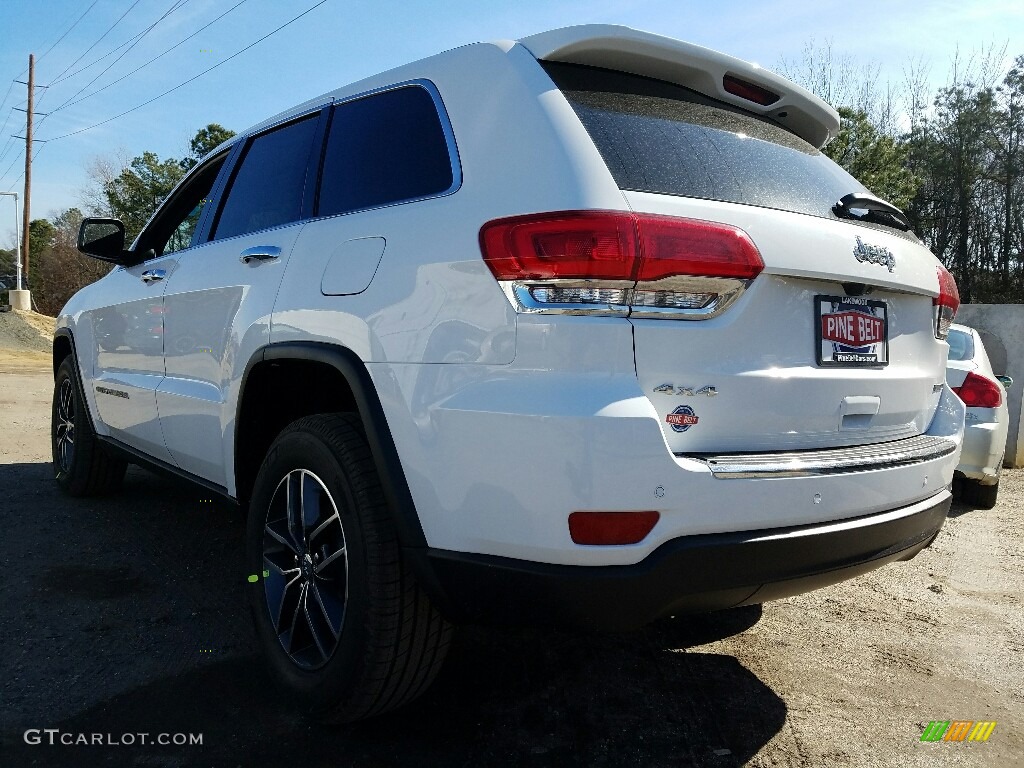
(25, 339)
(26, 331)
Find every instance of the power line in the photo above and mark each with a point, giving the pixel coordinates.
(143, 66)
(9, 89)
(17, 157)
(67, 32)
(11, 86)
(21, 175)
(131, 42)
(9, 138)
(109, 30)
(177, 4)
(191, 79)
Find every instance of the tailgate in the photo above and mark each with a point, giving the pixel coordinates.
(823, 349)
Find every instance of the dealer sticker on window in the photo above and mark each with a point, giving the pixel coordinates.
(851, 331)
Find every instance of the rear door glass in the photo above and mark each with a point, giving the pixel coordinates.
(267, 187)
(663, 138)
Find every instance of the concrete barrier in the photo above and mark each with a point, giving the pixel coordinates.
(1002, 332)
(20, 299)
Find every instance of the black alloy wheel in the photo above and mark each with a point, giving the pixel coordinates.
(305, 569)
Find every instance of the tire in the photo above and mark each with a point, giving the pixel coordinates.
(980, 496)
(81, 465)
(368, 639)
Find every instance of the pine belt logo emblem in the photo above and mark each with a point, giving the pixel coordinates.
(958, 730)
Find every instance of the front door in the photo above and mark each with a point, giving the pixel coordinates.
(129, 334)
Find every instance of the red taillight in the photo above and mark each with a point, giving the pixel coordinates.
(979, 392)
(607, 528)
(749, 91)
(946, 303)
(690, 247)
(553, 246)
(607, 245)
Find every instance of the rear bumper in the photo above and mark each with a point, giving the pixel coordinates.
(685, 575)
(983, 449)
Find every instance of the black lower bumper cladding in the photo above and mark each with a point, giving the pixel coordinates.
(692, 574)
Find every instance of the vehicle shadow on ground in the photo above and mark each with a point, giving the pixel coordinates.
(134, 629)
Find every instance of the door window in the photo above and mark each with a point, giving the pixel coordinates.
(175, 225)
(267, 188)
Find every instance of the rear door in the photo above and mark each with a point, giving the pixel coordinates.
(831, 344)
(218, 302)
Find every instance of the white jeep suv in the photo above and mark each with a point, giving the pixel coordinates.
(580, 329)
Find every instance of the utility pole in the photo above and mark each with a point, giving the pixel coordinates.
(26, 205)
(19, 297)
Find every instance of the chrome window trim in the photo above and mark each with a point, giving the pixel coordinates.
(829, 461)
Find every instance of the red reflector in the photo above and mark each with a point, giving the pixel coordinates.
(611, 527)
(749, 91)
(979, 392)
(610, 245)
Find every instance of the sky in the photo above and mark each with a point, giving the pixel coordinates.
(339, 42)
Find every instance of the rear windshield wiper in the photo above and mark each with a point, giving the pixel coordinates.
(861, 206)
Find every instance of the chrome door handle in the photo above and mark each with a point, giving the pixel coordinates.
(153, 275)
(260, 253)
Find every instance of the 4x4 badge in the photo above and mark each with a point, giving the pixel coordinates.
(874, 254)
(671, 389)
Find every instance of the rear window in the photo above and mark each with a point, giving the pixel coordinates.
(664, 138)
(383, 149)
(961, 345)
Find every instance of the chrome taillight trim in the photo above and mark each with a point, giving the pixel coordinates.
(726, 290)
(518, 294)
(723, 292)
(831, 461)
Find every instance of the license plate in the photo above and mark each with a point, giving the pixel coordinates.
(851, 331)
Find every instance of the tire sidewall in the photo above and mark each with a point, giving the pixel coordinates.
(300, 449)
(67, 478)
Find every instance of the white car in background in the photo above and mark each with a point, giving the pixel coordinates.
(969, 373)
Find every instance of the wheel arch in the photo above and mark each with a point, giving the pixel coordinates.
(329, 378)
(63, 346)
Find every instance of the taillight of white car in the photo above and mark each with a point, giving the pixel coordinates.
(615, 263)
(979, 392)
(946, 303)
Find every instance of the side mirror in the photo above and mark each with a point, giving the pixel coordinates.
(103, 239)
(1006, 381)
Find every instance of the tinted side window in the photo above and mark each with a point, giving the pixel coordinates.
(172, 229)
(383, 149)
(267, 189)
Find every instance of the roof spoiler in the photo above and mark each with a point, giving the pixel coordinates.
(714, 74)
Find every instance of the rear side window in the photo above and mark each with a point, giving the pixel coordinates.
(664, 138)
(961, 345)
(382, 149)
(267, 187)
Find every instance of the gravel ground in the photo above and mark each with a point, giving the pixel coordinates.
(125, 615)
